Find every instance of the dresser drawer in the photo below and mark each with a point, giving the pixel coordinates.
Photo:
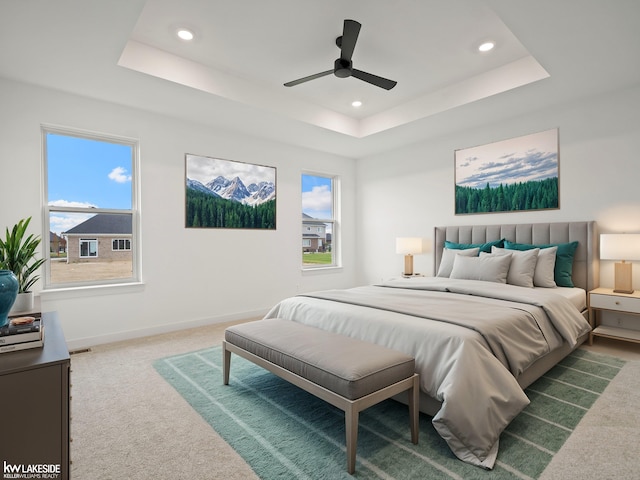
(615, 302)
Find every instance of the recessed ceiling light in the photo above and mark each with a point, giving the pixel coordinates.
(185, 34)
(356, 103)
(486, 46)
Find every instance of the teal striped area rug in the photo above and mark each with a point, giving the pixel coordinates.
(283, 432)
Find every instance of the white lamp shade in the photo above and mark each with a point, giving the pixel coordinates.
(408, 245)
(620, 246)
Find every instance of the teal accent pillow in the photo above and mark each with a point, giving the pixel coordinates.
(564, 259)
(484, 247)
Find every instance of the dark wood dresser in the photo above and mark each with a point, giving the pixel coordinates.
(35, 399)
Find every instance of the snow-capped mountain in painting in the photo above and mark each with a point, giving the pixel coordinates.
(234, 189)
(196, 185)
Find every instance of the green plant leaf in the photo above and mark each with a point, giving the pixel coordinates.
(17, 254)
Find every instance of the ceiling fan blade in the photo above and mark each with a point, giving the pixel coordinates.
(306, 79)
(374, 79)
(350, 33)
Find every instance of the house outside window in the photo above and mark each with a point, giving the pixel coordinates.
(319, 221)
(91, 206)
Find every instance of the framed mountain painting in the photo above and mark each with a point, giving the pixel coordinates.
(510, 175)
(229, 194)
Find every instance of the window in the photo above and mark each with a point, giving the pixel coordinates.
(91, 208)
(319, 221)
(121, 244)
(88, 247)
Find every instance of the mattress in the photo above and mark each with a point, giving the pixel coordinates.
(577, 296)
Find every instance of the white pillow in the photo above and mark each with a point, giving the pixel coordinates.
(523, 265)
(489, 268)
(449, 254)
(544, 274)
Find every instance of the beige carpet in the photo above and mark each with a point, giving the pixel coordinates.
(128, 423)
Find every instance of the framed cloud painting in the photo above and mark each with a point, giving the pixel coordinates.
(229, 194)
(511, 175)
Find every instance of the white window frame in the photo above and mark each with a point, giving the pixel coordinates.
(126, 243)
(336, 249)
(136, 277)
(89, 241)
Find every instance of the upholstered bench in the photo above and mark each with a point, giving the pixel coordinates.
(350, 374)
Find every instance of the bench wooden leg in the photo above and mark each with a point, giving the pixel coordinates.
(226, 363)
(351, 415)
(414, 412)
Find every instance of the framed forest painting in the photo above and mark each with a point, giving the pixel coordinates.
(511, 175)
(229, 194)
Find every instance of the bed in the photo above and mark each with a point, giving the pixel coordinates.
(479, 329)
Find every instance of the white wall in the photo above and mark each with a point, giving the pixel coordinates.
(191, 276)
(408, 192)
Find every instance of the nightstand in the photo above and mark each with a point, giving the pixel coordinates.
(606, 299)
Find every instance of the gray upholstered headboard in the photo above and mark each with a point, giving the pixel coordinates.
(586, 266)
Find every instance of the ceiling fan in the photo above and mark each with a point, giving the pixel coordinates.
(343, 66)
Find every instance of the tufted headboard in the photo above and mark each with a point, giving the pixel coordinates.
(586, 267)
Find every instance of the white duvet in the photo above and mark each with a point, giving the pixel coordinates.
(483, 336)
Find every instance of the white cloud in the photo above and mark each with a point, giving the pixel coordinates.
(61, 222)
(66, 203)
(205, 169)
(319, 199)
(119, 174)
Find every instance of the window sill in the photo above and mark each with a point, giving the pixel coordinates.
(91, 290)
(321, 270)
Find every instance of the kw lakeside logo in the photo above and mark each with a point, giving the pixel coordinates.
(38, 470)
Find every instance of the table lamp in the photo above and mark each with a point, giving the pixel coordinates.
(621, 246)
(408, 246)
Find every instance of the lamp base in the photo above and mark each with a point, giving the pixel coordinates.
(408, 265)
(622, 281)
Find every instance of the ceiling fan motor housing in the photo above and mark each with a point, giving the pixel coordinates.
(342, 68)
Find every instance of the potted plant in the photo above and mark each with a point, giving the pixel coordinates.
(17, 253)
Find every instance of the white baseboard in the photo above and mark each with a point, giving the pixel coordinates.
(88, 342)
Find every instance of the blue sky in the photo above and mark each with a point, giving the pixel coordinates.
(527, 158)
(86, 173)
(316, 196)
